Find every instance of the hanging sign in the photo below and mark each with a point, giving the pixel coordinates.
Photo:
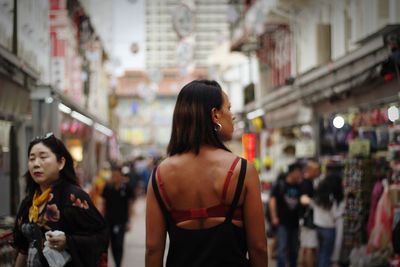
(249, 146)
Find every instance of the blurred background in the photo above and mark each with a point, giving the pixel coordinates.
(306, 78)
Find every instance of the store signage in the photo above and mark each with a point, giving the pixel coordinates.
(305, 149)
(359, 147)
(249, 146)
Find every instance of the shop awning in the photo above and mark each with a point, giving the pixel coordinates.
(292, 114)
(67, 106)
(347, 72)
(321, 83)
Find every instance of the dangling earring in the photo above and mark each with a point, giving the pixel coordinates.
(217, 127)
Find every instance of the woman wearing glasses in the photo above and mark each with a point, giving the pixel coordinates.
(57, 215)
(203, 195)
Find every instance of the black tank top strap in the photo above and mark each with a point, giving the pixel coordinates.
(158, 195)
(238, 191)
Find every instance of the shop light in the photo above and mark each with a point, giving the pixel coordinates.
(81, 118)
(103, 129)
(338, 122)
(64, 108)
(49, 100)
(254, 114)
(393, 113)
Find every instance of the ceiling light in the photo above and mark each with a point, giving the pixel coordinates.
(338, 122)
(393, 113)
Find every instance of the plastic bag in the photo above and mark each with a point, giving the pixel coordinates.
(55, 258)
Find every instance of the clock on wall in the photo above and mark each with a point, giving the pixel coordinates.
(183, 20)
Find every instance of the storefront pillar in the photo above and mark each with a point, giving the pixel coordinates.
(45, 114)
(315, 124)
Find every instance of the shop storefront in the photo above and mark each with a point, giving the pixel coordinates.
(355, 106)
(284, 133)
(87, 145)
(361, 134)
(86, 136)
(15, 119)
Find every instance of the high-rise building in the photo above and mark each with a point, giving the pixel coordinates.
(182, 33)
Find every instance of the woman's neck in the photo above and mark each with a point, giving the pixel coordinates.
(44, 188)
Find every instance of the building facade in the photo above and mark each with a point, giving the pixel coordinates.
(328, 89)
(52, 79)
(182, 33)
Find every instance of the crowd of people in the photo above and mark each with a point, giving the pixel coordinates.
(305, 213)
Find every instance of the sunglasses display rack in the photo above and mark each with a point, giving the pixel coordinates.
(358, 181)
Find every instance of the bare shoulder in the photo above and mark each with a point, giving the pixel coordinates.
(206, 159)
(251, 174)
(170, 165)
(171, 162)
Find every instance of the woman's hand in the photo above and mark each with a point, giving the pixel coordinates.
(58, 242)
(305, 200)
(275, 221)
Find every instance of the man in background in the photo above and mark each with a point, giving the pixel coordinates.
(118, 200)
(285, 208)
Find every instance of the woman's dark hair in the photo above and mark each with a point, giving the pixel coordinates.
(328, 191)
(58, 148)
(192, 125)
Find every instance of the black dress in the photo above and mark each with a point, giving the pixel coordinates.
(68, 209)
(223, 245)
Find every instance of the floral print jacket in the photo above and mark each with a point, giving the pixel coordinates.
(68, 209)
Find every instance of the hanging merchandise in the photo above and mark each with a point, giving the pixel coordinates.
(381, 234)
(358, 182)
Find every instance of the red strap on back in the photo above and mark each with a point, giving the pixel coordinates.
(228, 177)
(162, 188)
(215, 211)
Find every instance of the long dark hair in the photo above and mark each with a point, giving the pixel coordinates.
(58, 148)
(329, 191)
(192, 125)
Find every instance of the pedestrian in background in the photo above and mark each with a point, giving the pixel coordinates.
(308, 234)
(285, 207)
(54, 201)
(328, 206)
(118, 200)
(202, 195)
